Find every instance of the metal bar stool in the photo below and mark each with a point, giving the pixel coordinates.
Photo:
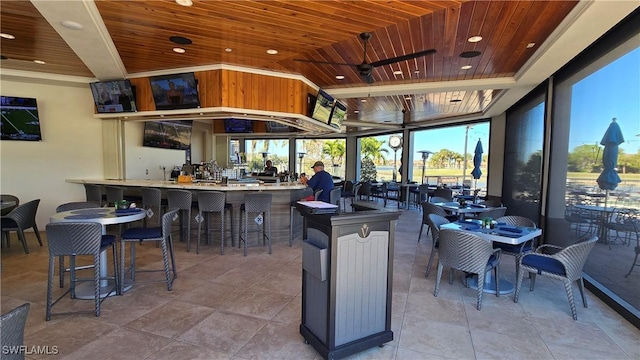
(260, 204)
(152, 203)
(94, 193)
(182, 200)
(114, 193)
(73, 239)
(210, 202)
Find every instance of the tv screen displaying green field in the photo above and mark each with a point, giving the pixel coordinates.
(20, 119)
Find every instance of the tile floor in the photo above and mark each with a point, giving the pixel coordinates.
(236, 307)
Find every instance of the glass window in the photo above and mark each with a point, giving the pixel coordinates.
(258, 151)
(378, 161)
(330, 151)
(438, 155)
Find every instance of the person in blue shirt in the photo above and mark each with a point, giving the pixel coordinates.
(321, 180)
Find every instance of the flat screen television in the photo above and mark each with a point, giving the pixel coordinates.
(178, 91)
(322, 108)
(338, 114)
(115, 96)
(20, 120)
(168, 134)
(276, 127)
(238, 126)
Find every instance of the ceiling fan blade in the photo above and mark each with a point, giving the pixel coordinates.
(368, 78)
(324, 62)
(402, 58)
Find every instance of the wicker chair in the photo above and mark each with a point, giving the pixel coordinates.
(22, 217)
(78, 205)
(210, 202)
(429, 208)
(434, 221)
(138, 235)
(93, 193)
(437, 199)
(6, 197)
(623, 222)
(182, 200)
(444, 193)
(255, 203)
(12, 325)
(493, 213)
(470, 253)
(334, 196)
(565, 265)
(347, 193)
(73, 239)
(516, 250)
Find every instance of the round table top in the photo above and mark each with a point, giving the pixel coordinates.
(104, 216)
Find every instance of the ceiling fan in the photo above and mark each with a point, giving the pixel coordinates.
(365, 68)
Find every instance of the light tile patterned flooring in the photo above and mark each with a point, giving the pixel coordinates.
(236, 307)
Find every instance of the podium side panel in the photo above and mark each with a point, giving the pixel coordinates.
(316, 292)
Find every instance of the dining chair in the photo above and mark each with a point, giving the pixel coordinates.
(365, 190)
(492, 213)
(334, 196)
(22, 217)
(79, 238)
(183, 201)
(70, 206)
(622, 221)
(429, 208)
(565, 265)
(347, 193)
(12, 324)
(139, 235)
(7, 197)
(437, 199)
(461, 250)
(443, 193)
(434, 221)
(516, 250)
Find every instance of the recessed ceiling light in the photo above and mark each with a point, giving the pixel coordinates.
(470, 54)
(466, 67)
(339, 77)
(363, 100)
(39, 62)
(71, 25)
(228, 49)
(356, 111)
(180, 40)
(184, 2)
(416, 71)
(179, 50)
(407, 97)
(475, 39)
(397, 72)
(7, 36)
(272, 51)
(530, 45)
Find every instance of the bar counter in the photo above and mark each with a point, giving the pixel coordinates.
(283, 195)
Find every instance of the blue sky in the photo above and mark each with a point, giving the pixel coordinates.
(613, 91)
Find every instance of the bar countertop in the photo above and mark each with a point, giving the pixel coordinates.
(232, 186)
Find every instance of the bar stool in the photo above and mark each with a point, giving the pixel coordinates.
(114, 193)
(210, 202)
(152, 203)
(94, 193)
(73, 239)
(140, 234)
(182, 199)
(256, 203)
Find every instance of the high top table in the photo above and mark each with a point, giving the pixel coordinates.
(103, 216)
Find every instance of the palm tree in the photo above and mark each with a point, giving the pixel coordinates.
(372, 148)
(335, 149)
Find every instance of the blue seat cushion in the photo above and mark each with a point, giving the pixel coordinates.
(493, 261)
(512, 248)
(139, 233)
(107, 240)
(543, 263)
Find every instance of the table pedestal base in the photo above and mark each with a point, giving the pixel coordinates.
(490, 284)
(84, 291)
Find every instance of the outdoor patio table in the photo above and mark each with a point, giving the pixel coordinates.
(603, 214)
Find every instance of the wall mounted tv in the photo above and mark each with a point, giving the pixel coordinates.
(338, 115)
(168, 134)
(276, 127)
(114, 96)
(238, 126)
(179, 91)
(20, 119)
(322, 108)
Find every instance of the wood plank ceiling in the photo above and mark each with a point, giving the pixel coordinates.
(239, 32)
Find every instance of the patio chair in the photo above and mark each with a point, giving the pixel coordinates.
(565, 265)
(429, 208)
(434, 221)
(12, 324)
(22, 217)
(622, 221)
(516, 250)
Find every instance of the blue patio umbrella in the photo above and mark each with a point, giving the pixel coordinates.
(477, 161)
(609, 179)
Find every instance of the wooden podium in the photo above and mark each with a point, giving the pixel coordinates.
(347, 278)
